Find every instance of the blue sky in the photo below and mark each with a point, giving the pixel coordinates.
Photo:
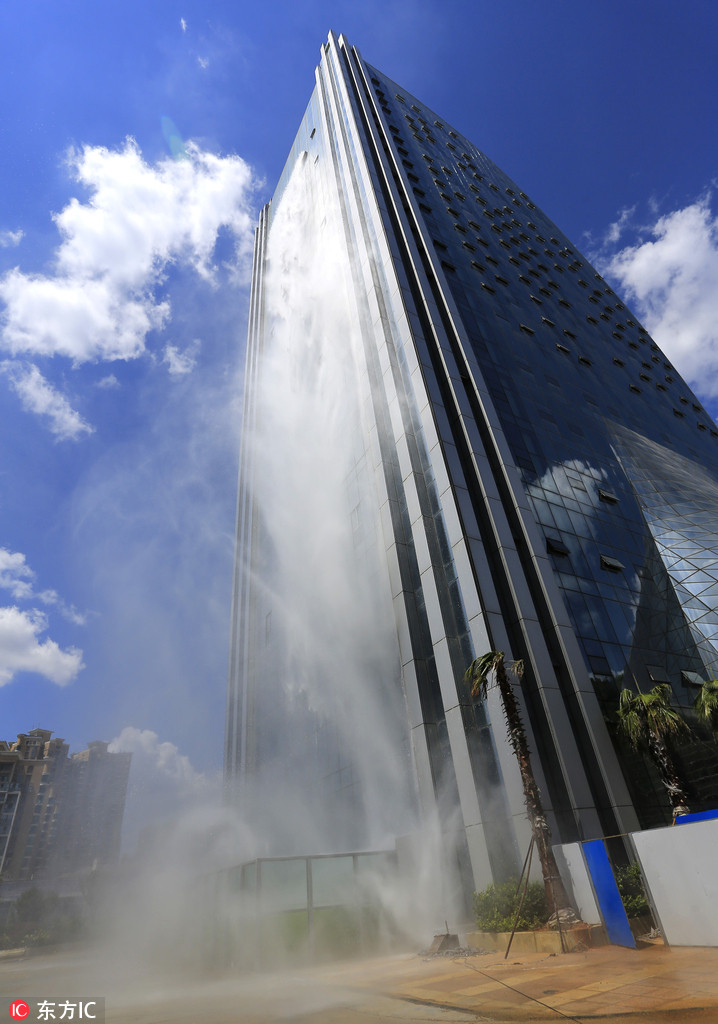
(123, 289)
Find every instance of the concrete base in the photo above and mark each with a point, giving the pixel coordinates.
(545, 941)
(443, 942)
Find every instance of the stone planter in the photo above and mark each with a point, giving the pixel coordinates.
(541, 941)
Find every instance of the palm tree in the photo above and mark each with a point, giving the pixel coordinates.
(706, 704)
(648, 721)
(477, 676)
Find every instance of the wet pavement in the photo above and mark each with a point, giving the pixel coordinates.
(655, 985)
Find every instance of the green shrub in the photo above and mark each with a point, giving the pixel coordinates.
(38, 918)
(495, 907)
(630, 886)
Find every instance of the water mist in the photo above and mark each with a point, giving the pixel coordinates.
(329, 762)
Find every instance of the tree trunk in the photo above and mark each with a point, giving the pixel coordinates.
(556, 895)
(670, 777)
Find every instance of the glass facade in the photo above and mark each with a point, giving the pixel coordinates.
(541, 480)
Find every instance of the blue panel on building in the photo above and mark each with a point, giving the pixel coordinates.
(687, 819)
(607, 894)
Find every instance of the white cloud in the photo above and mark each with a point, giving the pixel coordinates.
(616, 229)
(9, 239)
(161, 758)
(670, 276)
(163, 782)
(180, 363)
(17, 577)
(183, 24)
(203, 62)
(103, 298)
(15, 574)
(108, 382)
(68, 611)
(38, 396)
(21, 649)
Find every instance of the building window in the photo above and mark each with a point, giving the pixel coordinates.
(611, 564)
(556, 547)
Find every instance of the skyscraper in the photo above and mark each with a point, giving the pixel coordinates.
(456, 439)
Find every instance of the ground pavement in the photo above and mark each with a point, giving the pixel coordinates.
(655, 985)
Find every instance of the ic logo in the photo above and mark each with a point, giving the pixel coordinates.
(19, 1010)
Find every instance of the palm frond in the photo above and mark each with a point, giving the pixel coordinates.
(645, 715)
(706, 704)
(478, 672)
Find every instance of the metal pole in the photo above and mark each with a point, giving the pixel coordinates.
(525, 870)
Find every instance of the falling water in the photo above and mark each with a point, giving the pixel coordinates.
(329, 705)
